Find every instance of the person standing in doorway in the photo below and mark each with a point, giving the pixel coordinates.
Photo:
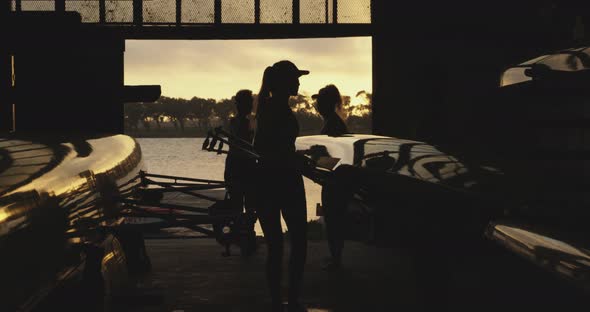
(280, 180)
(335, 192)
(239, 169)
(329, 105)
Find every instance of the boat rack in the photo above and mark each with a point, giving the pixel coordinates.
(208, 210)
(211, 211)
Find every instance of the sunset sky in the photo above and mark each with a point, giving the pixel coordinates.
(218, 68)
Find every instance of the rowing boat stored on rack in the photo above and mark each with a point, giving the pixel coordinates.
(59, 216)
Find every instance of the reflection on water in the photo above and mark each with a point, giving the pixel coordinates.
(184, 157)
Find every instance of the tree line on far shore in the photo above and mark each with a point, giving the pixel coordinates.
(178, 117)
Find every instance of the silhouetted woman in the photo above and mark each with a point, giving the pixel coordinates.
(281, 184)
(336, 192)
(239, 167)
(329, 105)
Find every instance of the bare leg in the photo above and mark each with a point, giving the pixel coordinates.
(269, 215)
(295, 215)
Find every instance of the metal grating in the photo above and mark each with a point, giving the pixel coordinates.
(313, 11)
(88, 9)
(276, 11)
(237, 11)
(156, 12)
(38, 5)
(117, 11)
(198, 11)
(354, 11)
(159, 11)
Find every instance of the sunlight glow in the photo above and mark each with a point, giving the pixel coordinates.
(218, 68)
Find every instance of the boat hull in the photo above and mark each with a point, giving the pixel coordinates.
(58, 198)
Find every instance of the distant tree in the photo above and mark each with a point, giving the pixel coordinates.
(307, 116)
(177, 109)
(302, 103)
(366, 95)
(203, 113)
(154, 111)
(200, 110)
(146, 123)
(134, 113)
(360, 115)
(364, 108)
(346, 103)
(224, 109)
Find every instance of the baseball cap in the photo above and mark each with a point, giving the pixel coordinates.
(285, 68)
(329, 93)
(327, 99)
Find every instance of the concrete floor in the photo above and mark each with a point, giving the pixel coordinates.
(192, 275)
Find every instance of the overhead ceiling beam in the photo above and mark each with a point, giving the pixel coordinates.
(239, 31)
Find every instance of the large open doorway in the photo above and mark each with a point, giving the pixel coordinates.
(199, 79)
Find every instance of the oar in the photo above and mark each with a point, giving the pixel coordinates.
(316, 170)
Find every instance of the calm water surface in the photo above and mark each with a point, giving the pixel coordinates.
(184, 157)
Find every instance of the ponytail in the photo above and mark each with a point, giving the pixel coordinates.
(264, 93)
(262, 99)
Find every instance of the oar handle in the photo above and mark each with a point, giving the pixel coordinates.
(310, 169)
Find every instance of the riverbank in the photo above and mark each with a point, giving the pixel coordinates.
(166, 132)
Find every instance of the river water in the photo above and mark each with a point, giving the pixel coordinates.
(184, 157)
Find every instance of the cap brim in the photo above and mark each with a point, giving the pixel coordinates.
(315, 96)
(303, 72)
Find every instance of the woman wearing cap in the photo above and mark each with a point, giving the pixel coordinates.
(329, 105)
(280, 179)
(336, 192)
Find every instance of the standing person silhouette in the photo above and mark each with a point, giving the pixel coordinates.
(336, 192)
(329, 105)
(281, 183)
(239, 168)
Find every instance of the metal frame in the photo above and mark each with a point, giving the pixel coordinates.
(217, 138)
(176, 29)
(138, 12)
(244, 31)
(224, 219)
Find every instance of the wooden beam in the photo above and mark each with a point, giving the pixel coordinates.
(241, 31)
(256, 11)
(178, 12)
(217, 13)
(335, 11)
(137, 12)
(296, 11)
(327, 11)
(60, 5)
(6, 8)
(102, 11)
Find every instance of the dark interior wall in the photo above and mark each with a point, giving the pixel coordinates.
(435, 63)
(436, 79)
(5, 76)
(66, 78)
(5, 86)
